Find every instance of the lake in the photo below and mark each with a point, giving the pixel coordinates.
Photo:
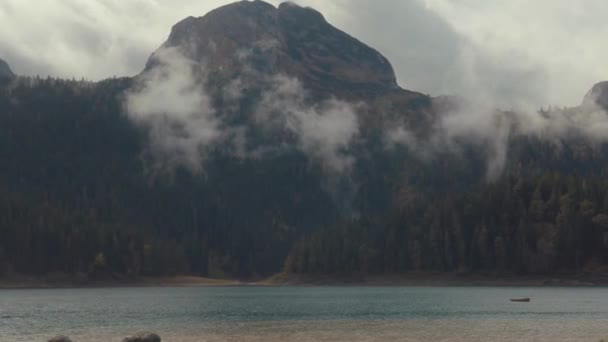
(307, 314)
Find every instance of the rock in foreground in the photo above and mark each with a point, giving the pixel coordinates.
(60, 339)
(142, 337)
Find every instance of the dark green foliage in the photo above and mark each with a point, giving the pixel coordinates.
(74, 192)
(520, 225)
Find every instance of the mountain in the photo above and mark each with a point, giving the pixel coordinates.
(261, 139)
(5, 70)
(598, 95)
(289, 40)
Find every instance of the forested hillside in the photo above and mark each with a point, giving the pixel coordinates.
(74, 188)
(282, 143)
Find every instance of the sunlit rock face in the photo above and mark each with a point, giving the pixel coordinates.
(252, 38)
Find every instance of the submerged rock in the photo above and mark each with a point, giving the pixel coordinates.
(142, 337)
(60, 339)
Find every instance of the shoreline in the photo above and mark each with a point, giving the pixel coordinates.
(279, 280)
(432, 279)
(32, 283)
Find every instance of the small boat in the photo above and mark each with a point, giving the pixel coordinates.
(520, 300)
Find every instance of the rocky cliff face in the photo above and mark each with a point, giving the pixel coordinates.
(252, 38)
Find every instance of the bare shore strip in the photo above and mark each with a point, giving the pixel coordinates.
(50, 282)
(410, 279)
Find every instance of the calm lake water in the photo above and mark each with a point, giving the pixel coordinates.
(307, 314)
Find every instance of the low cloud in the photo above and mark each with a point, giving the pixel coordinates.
(481, 125)
(170, 102)
(493, 130)
(324, 131)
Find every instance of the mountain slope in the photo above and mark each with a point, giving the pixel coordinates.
(259, 139)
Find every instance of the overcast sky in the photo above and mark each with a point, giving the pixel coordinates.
(515, 52)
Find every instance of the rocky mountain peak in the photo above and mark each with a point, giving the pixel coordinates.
(303, 15)
(247, 36)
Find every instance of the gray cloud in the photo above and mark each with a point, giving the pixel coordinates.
(429, 55)
(94, 39)
(559, 36)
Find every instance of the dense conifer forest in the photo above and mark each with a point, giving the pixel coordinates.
(76, 199)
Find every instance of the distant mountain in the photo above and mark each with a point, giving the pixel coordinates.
(5, 70)
(598, 95)
(259, 139)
